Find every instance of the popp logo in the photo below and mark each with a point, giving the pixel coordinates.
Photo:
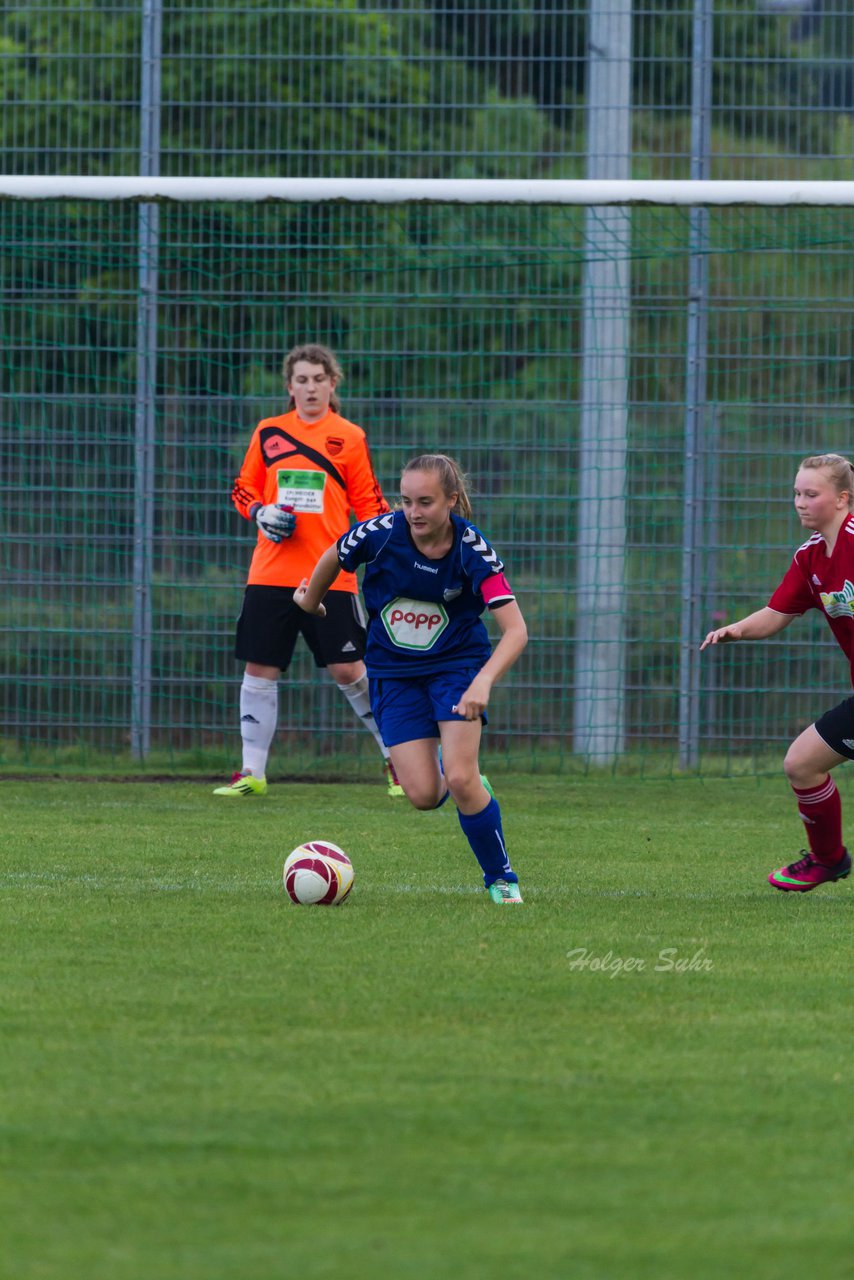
(414, 624)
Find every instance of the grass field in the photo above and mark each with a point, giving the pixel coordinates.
(643, 1072)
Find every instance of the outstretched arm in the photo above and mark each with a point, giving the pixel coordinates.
(756, 626)
(310, 592)
(514, 637)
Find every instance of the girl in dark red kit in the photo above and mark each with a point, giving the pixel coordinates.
(820, 577)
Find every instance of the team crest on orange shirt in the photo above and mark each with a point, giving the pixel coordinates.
(334, 445)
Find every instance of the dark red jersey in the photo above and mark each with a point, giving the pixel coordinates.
(816, 580)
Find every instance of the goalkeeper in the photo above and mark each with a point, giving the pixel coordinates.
(304, 472)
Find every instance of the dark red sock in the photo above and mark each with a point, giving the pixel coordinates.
(821, 811)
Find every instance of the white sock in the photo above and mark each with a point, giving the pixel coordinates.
(259, 711)
(360, 700)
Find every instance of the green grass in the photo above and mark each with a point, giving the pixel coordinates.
(200, 1080)
(355, 759)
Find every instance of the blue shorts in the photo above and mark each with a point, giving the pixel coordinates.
(410, 709)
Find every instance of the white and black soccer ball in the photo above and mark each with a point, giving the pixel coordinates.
(317, 873)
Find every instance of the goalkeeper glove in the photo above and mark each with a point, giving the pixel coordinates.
(276, 522)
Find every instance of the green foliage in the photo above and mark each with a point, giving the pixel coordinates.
(71, 88)
(330, 87)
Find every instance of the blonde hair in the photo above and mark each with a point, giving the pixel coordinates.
(314, 353)
(452, 478)
(841, 472)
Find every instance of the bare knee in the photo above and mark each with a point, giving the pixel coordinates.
(801, 772)
(417, 767)
(457, 776)
(791, 767)
(261, 672)
(345, 673)
(466, 788)
(422, 798)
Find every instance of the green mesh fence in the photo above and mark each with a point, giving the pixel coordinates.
(460, 329)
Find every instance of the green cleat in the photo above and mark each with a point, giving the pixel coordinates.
(503, 892)
(394, 788)
(243, 784)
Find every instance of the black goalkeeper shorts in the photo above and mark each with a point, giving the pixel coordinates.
(270, 622)
(836, 727)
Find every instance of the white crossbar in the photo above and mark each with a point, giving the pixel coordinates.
(432, 190)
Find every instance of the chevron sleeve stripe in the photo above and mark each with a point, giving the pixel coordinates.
(478, 543)
(353, 540)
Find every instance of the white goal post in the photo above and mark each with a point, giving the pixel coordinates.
(581, 191)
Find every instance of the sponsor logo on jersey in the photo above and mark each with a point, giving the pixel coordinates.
(276, 446)
(334, 445)
(414, 624)
(839, 604)
(301, 490)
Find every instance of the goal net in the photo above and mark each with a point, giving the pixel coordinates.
(629, 378)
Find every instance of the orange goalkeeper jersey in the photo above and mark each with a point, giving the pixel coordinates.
(323, 471)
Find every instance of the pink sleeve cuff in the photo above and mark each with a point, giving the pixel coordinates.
(496, 590)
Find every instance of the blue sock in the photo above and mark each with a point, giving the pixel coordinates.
(484, 834)
(442, 772)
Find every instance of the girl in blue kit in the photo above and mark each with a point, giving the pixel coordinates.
(429, 575)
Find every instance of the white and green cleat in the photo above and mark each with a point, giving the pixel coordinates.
(243, 784)
(504, 893)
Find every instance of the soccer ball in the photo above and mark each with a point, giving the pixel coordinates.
(317, 873)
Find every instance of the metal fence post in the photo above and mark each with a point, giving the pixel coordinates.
(146, 384)
(600, 661)
(695, 397)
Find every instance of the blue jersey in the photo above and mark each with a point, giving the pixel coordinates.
(423, 614)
